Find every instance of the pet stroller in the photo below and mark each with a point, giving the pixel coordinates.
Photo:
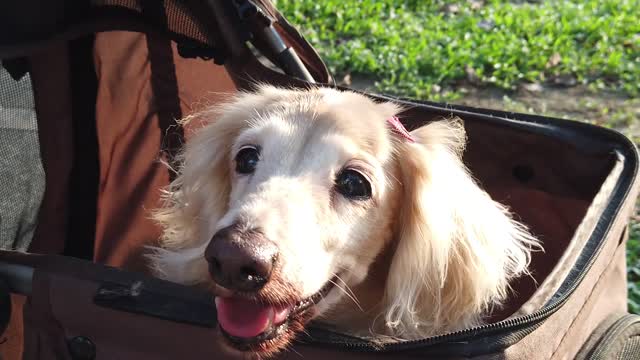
(89, 95)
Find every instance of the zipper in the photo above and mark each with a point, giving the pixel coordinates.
(517, 328)
(530, 321)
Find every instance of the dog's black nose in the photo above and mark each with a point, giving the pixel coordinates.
(241, 260)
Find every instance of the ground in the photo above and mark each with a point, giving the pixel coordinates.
(572, 59)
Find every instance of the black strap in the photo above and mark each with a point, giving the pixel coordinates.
(164, 84)
(85, 172)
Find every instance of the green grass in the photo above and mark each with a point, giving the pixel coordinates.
(431, 49)
(424, 48)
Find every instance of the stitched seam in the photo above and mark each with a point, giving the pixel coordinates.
(589, 300)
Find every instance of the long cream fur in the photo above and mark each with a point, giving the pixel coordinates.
(455, 250)
(458, 248)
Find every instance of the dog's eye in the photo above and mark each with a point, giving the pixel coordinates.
(247, 160)
(353, 185)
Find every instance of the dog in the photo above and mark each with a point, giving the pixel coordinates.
(317, 204)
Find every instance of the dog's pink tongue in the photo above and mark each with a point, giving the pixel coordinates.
(245, 318)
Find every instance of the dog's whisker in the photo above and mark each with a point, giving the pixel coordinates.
(346, 285)
(291, 348)
(354, 299)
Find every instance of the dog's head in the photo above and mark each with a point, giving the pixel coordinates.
(286, 198)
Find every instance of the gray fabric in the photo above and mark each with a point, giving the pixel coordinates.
(22, 179)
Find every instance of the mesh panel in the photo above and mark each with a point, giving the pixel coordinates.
(631, 349)
(180, 21)
(22, 179)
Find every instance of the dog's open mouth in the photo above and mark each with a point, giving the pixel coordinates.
(247, 323)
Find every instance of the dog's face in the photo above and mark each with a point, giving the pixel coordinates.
(293, 192)
(310, 183)
(308, 210)
(285, 200)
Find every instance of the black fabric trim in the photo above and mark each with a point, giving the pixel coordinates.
(16, 67)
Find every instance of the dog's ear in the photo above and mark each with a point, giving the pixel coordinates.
(197, 198)
(456, 248)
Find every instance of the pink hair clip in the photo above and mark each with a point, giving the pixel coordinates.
(400, 129)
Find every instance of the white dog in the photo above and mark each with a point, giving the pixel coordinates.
(316, 204)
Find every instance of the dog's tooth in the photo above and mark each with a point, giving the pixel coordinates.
(281, 315)
(271, 316)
